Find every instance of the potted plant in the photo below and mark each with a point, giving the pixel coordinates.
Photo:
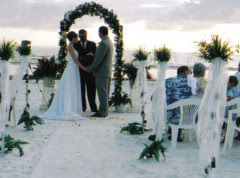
(162, 56)
(47, 70)
(119, 101)
(6, 52)
(131, 72)
(210, 117)
(138, 91)
(25, 48)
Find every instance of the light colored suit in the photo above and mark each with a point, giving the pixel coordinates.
(102, 70)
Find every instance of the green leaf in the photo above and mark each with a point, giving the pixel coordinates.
(153, 151)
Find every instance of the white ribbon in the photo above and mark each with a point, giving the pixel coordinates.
(159, 101)
(211, 112)
(17, 78)
(4, 65)
(139, 85)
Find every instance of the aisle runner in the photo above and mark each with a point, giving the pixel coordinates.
(79, 149)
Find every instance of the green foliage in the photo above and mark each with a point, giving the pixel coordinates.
(210, 166)
(238, 48)
(11, 143)
(162, 54)
(111, 19)
(25, 48)
(29, 121)
(7, 50)
(216, 48)
(46, 68)
(118, 99)
(140, 55)
(131, 71)
(134, 128)
(153, 151)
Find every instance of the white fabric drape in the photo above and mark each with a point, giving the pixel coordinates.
(4, 68)
(159, 102)
(211, 112)
(16, 81)
(139, 85)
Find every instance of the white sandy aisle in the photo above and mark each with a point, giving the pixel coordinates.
(79, 149)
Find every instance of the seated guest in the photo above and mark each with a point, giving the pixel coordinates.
(232, 92)
(238, 76)
(232, 89)
(199, 71)
(177, 88)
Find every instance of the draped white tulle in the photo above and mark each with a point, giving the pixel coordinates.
(139, 85)
(4, 89)
(67, 102)
(159, 102)
(211, 112)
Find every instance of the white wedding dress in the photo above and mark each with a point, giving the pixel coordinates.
(67, 101)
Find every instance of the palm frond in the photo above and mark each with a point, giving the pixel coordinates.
(216, 48)
(140, 55)
(153, 151)
(7, 50)
(162, 54)
(11, 143)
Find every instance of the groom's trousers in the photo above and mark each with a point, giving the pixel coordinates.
(88, 81)
(103, 89)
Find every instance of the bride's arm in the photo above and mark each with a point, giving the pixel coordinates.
(74, 57)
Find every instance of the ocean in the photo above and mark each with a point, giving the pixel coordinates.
(177, 60)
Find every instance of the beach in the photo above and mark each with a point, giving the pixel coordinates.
(95, 148)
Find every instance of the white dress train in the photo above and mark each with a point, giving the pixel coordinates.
(67, 102)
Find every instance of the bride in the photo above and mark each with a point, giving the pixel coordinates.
(67, 102)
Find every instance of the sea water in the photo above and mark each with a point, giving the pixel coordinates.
(177, 60)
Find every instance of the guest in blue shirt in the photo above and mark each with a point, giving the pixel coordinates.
(232, 92)
(177, 88)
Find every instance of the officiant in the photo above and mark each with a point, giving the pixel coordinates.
(86, 50)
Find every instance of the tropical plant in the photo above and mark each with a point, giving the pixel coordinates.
(216, 48)
(46, 68)
(116, 101)
(140, 55)
(131, 71)
(25, 48)
(29, 121)
(134, 128)
(10, 143)
(162, 54)
(153, 151)
(7, 50)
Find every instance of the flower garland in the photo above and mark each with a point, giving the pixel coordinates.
(111, 19)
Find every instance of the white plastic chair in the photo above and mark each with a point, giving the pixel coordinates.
(188, 112)
(231, 125)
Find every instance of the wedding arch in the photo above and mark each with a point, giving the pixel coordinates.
(94, 9)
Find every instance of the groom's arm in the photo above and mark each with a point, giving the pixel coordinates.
(99, 55)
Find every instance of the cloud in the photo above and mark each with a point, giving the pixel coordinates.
(158, 14)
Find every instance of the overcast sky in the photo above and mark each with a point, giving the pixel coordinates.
(147, 23)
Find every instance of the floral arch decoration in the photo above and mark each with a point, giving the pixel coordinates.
(111, 19)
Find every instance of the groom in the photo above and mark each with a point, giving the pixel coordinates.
(102, 70)
(86, 50)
